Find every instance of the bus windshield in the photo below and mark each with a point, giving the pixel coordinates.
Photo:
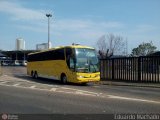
(86, 60)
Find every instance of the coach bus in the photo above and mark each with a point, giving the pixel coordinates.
(75, 63)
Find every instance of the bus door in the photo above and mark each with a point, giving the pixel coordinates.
(70, 60)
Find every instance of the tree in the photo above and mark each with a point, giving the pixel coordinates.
(110, 44)
(143, 49)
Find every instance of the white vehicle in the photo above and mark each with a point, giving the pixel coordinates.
(16, 63)
(24, 63)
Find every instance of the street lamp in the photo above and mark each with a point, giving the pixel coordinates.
(48, 15)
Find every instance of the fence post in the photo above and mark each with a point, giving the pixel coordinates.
(112, 69)
(100, 68)
(139, 69)
(0, 69)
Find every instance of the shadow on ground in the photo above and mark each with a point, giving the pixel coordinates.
(48, 81)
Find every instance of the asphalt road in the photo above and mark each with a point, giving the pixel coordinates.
(20, 93)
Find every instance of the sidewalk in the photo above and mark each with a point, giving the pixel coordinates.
(128, 83)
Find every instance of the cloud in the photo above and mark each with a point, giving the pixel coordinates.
(112, 24)
(145, 28)
(34, 20)
(73, 24)
(18, 12)
(74, 27)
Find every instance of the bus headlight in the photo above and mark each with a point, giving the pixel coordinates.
(79, 76)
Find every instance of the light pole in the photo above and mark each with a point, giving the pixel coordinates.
(48, 15)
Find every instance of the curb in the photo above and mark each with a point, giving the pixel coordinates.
(112, 83)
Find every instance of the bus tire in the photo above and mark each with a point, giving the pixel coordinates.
(84, 84)
(35, 75)
(32, 74)
(63, 79)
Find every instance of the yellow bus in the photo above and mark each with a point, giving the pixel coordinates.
(75, 63)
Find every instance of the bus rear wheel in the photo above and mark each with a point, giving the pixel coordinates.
(63, 79)
(35, 75)
(32, 74)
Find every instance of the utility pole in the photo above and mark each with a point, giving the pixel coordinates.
(48, 15)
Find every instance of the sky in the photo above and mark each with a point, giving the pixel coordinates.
(78, 21)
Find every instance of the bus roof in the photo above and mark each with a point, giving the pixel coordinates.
(59, 47)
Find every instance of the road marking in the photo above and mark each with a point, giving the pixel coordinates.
(78, 92)
(132, 99)
(83, 92)
(53, 89)
(23, 87)
(3, 82)
(29, 81)
(16, 84)
(32, 86)
(61, 91)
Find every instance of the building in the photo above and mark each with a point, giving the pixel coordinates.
(50, 45)
(42, 46)
(17, 57)
(157, 53)
(20, 44)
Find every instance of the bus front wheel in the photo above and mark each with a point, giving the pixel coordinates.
(63, 79)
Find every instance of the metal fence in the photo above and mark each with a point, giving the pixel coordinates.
(0, 70)
(138, 69)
